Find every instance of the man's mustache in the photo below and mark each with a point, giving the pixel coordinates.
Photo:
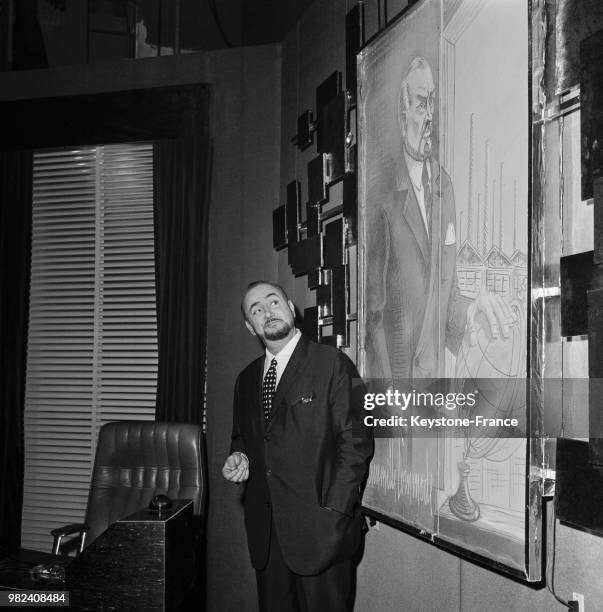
(272, 320)
(426, 126)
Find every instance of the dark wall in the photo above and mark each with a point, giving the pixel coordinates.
(246, 125)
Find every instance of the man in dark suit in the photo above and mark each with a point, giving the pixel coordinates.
(303, 451)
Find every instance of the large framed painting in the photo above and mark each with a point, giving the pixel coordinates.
(444, 171)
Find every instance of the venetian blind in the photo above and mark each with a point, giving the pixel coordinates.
(92, 342)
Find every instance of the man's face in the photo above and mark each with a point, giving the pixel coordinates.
(418, 119)
(268, 314)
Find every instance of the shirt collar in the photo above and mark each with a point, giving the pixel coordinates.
(287, 350)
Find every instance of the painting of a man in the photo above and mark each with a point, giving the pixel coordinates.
(414, 306)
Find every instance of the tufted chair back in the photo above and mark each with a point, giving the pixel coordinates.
(136, 460)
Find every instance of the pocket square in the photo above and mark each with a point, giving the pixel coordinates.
(450, 235)
(306, 399)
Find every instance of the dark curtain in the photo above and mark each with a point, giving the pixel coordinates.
(182, 170)
(178, 113)
(15, 239)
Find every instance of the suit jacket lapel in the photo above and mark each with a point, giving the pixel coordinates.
(410, 208)
(255, 393)
(296, 361)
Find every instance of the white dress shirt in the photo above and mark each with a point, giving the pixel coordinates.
(415, 171)
(283, 356)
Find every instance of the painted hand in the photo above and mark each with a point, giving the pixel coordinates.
(499, 315)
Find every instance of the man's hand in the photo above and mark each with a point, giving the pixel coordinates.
(236, 468)
(498, 313)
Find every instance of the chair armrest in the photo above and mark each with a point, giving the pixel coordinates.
(69, 529)
(60, 532)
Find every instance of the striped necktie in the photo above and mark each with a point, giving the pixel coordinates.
(268, 389)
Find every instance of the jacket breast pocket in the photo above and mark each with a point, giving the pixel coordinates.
(303, 400)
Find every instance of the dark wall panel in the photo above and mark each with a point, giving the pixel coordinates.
(245, 124)
(119, 116)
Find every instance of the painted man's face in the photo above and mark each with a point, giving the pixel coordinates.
(419, 116)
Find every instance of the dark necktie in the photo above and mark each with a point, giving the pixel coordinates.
(268, 388)
(427, 196)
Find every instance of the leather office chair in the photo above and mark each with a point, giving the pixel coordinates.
(136, 460)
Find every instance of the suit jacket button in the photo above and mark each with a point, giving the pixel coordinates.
(268, 472)
(266, 438)
(267, 504)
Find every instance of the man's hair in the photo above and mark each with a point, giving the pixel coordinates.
(418, 63)
(255, 284)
